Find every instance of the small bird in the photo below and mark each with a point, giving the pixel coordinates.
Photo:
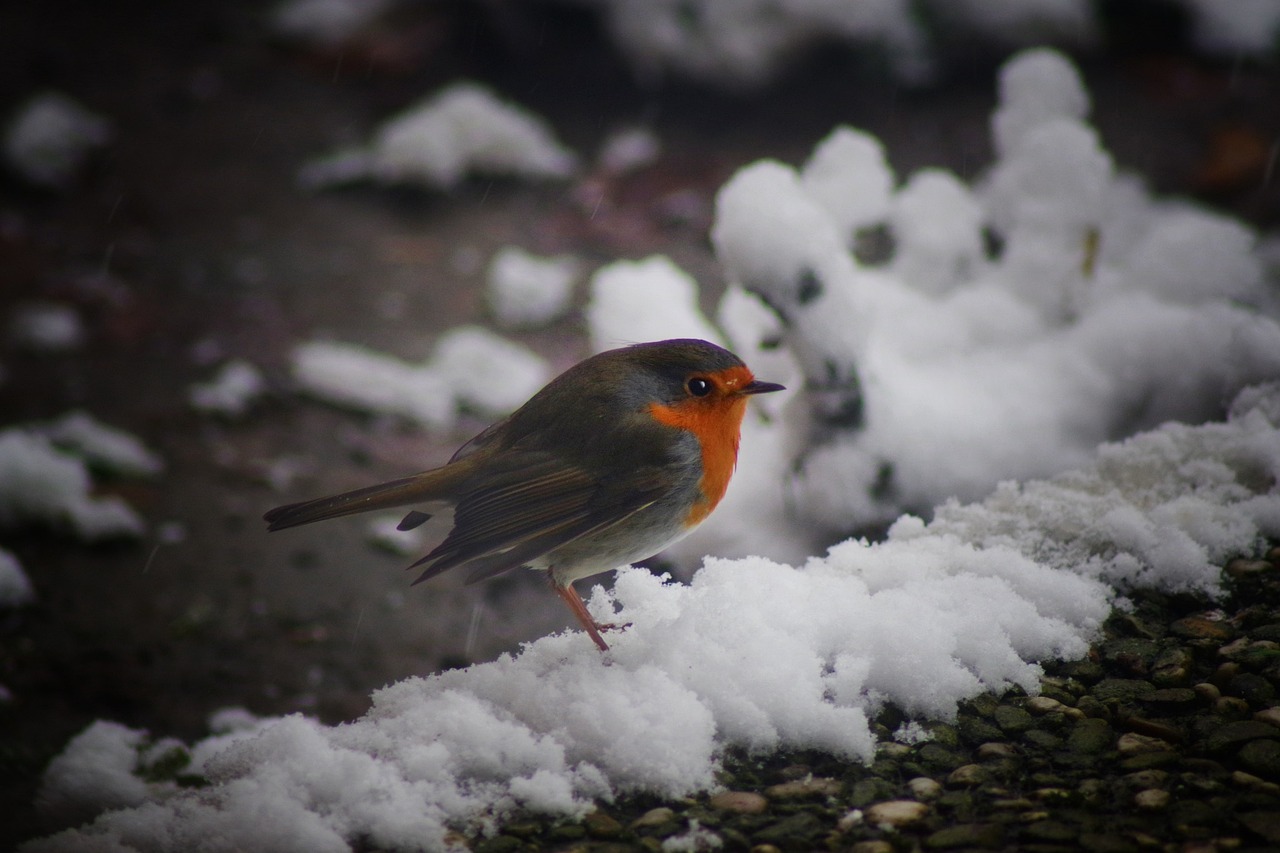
(615, 459)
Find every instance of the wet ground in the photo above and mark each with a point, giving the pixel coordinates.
(190, 237)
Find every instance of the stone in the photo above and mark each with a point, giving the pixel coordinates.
(1265, 824)
(796, 831)
(1100, 842)
(969, 776)
(1154, 728)
(933, 755)
(1231, 735)
(1091, 707)
(654, 817)
(924, 788)
(812, 786)
(1241, 568)
(1054, 831)
(1207, 692)
(875, 846)
(1270, 716)
(600, 825)
(1122, 689)
(1090, 736)
(896, 813)
(966, 835)
(1201, 628)
(867, 791)
(1152, 799)
(1252, 688)
(1262, 757)
(1041, 705)
(1173, 698)
(1231, 706)
(500, 844)
(1131, 743)
(739, 802)
(1012, 719)
(996, 750)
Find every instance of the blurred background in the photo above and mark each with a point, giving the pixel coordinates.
(184, 239)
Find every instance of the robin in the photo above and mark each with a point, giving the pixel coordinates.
(615, 459)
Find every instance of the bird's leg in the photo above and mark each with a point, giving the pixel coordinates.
(571, 598)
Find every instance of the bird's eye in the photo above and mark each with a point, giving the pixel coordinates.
(699, 387)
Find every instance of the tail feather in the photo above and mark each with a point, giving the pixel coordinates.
(421, 488)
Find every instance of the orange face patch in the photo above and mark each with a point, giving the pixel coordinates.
(716, 420)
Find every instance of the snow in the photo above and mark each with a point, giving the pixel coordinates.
(950, 367)
(49, 138)
(103, 447)
(46, 327)
(237, 384)
(646, 300)
(745, 43)
(463, 129)
(15, 586)
(629, 149)
(326, 22)
(751, 653)
(41, 483)
(471, 368)
(1052, 411)
(526, 290)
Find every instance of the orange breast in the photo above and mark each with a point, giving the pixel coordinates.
(716, 421)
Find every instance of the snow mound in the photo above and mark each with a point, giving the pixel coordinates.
(49, 138)
(471, 368)
(525, 290)
(751, 653)
(45, 479)
(463, 129)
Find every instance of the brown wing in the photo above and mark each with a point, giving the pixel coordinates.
(536, 504)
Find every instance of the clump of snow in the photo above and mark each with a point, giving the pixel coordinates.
(629, 149)
(471, 369)
(1088, 310)
(15, 586)
(326, 22)
(1249, 28)
(648, 300)
(748, 42)
(103, 447)
(49, 138)
(463, 129)
(526, 290)
(751, 654)
(237, 384)
(41, 483)
(46, 327)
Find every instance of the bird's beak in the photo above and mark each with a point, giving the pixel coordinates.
(755, 386)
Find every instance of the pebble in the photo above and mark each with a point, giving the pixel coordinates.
(812, 786)
(600, 825)
(1262, 757)
(876, 846)
(997, 749)
(739, 802)
(1013, 720)
(924, 788)
(1200, 628)
(1233, 734)
(1240, 567)
(1152, 799)
(1090, 736)
(654, 817)
(966, 835)
(1041, 705)
(896, 813)
(1207, 692)
(1230, 706)
(1131, 743)
(1270, 716)
(968, 776)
